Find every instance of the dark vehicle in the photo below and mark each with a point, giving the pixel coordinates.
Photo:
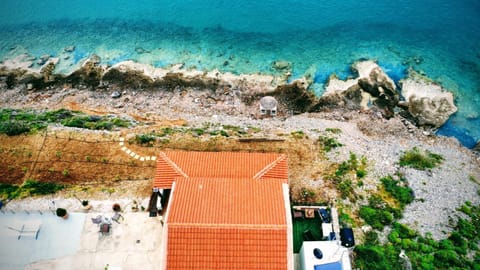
(346, 237)
(325, 215)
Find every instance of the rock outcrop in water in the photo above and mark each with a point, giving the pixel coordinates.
(372, 86)
(426, 101)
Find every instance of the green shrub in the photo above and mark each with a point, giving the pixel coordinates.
(329, 143)
(377, 218)
(120, 122)
(371, 238)
(145, 139)
(13, 128)
(28, 188)
(166, 131)
(78, 122)
(466, 228)
(15, 122)
(103, 125)
(420, 159)
(41, 188)
(446, 259)
(346, 189)
(333, 130)
(403, 194)
(373, 257)
(8, 191)
(299, 134)
(199, 131)
(403, 231)
(361, 173)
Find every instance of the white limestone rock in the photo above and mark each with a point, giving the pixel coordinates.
(428, 102)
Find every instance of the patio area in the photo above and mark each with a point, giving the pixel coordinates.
(133, 243)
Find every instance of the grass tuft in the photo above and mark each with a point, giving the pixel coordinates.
(420, 159)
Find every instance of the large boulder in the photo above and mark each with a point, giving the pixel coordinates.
(427, 102)
(372, 85)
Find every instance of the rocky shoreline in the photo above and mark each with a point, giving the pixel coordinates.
(419, 99)
(376, 119)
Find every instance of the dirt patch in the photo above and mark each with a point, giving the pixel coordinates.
(95, 159)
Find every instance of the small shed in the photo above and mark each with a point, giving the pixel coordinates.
(268, 106)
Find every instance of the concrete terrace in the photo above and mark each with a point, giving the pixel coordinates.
(134, 243)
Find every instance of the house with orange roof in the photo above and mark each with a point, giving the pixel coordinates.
(225, 210)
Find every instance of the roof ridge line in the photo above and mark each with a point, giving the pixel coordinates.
(267, 168)
(173, 164)
(229, 226)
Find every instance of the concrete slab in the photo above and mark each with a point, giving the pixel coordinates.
(133, 243)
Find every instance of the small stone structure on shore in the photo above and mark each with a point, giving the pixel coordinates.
(268, 106)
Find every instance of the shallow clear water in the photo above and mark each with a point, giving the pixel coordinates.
(57, 238)
(319, 37)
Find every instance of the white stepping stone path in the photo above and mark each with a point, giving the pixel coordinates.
(133, 154)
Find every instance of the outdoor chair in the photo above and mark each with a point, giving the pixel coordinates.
(297, 214)
(105, 228)
(97, 220)
(117, 217)
(308, 236)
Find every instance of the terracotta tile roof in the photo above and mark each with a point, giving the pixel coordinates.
(236, 202)
(227, 223)
(217, 248)
(219, 165)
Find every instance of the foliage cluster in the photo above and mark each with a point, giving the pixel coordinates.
(15, 122)
(458, 251)
(328, 143)
(398, 189)
(298, 134)
(378, 213)
(420, 159)
(346, 172)
(28, 188)
(145, 139)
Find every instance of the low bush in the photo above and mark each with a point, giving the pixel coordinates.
(420, 159)
(145, 139)
(328, 143)
(41, 188)
(16, 122)
(13, 128)
(458, 251)
(377, 218)
(398, 189)
(28, 188)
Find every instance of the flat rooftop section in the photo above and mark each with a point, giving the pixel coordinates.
(56, 237)
(335, 256)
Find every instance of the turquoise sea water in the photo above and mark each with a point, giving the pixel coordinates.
(320, 37)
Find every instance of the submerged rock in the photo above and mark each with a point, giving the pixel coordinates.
(69, 49)
(141, 50)
(281, 65)
(427, 102)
